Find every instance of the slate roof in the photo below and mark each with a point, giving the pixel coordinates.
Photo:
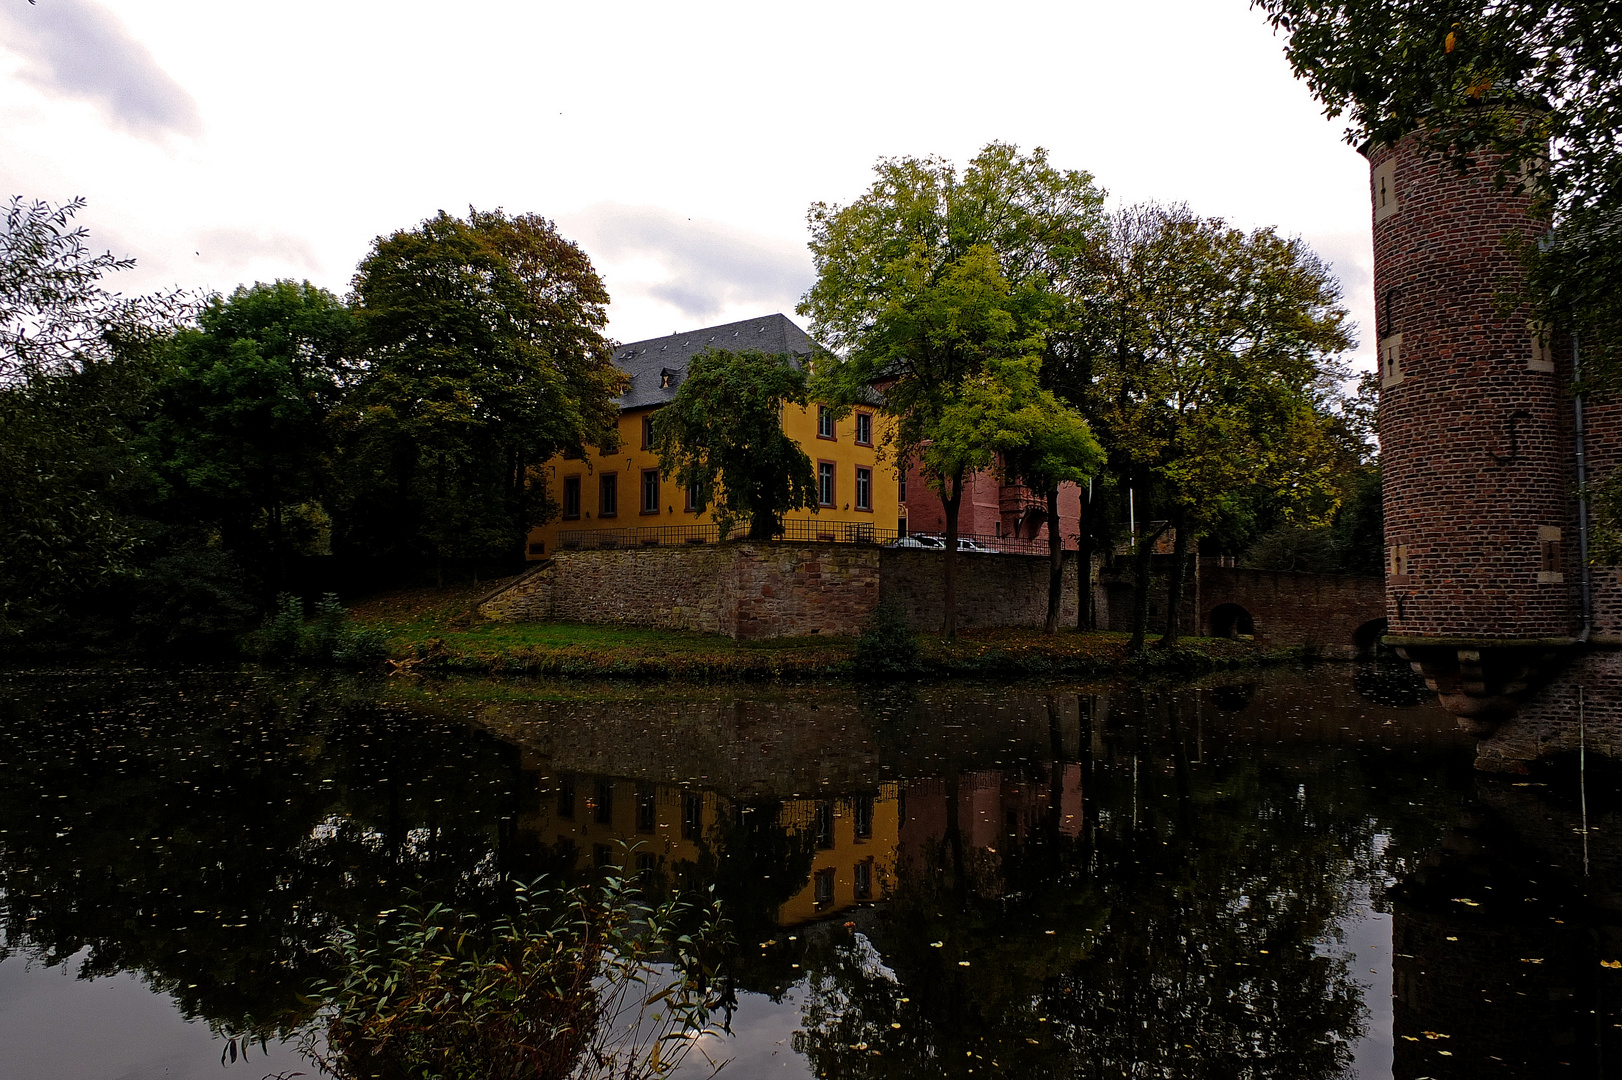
(656, 366)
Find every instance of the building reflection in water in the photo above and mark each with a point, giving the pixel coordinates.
(855, 842)
(1082, 883)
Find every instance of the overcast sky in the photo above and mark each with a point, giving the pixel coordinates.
(679, 144)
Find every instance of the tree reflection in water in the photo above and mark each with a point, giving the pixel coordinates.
(942, 880)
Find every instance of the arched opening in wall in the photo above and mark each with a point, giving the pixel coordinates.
(1232, 621)
(1366, 640)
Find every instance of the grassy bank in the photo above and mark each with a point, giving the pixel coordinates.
(434, 629)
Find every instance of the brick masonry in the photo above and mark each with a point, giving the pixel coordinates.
(1475, 443)
(1478, 448)
(1285, 608)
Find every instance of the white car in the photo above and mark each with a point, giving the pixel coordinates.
(931, 543)
(964, 543)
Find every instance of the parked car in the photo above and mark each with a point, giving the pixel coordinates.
(965, 543)
(919, 540)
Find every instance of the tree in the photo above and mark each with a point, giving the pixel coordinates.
(722, 436)
(242, 434)
(76, 372)
(1005, 420)
(1535, 83)
(485, 357)
(927, 276)
(1217, 349)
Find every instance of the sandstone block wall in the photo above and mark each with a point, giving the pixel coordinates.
(992, 590)
(756, 591)
(788, 590)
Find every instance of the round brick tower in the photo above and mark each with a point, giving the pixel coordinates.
(1475, 437)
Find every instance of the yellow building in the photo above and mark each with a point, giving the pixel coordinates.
(650, 828)
(620, 500)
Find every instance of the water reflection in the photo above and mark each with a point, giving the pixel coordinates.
(1086, 881)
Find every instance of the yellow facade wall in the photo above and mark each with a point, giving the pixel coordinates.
(644, 831)
(628, 465)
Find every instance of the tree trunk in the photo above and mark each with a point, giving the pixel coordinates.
(1174, 586)
(1142, 564)
(1055, 562)
(1085, 614)
(952, 503)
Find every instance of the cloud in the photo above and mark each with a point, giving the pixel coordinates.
(702, 268)
(77, 49)
(235, 249)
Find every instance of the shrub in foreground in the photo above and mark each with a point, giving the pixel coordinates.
(887, 645)
(581, 981)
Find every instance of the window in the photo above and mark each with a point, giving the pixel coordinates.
(608, 495)
(650, 491)
(1384, 182)
(862, 816)
(864, 489)
(864, 880)
(1549, 569)
(825, 422)
(825, 483)
(901, 485)
(602, 855)
(604, 809)
(1397, 561)
(825, 824)
(824, 887)
(1542, 356)
(692, 815)
(1391, 360)
(566, 798)
(645, 808)
(692, 498)
(647, 431)
(667, 378)
(571, 496)
(864, 428)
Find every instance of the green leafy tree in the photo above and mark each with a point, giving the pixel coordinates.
(76, 376)
(1217, 352)
(722, 435)
(484, 357)
(930, 274)
(242, 434)
(1005, 420)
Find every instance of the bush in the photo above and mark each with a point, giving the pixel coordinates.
(330, 638)
(563, 986)
(887, 645)
(277, 641)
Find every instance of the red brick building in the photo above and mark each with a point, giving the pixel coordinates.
(990, 510)
(1486, 590)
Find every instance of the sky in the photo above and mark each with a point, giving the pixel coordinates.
(679, 144)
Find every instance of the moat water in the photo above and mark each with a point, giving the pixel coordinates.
(1296, 877)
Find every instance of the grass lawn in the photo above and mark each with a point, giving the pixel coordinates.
(436, 627)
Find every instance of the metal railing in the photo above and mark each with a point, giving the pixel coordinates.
(825, 532)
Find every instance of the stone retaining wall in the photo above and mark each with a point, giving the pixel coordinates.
(752, 591)
(992, 590)
(740, 590)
